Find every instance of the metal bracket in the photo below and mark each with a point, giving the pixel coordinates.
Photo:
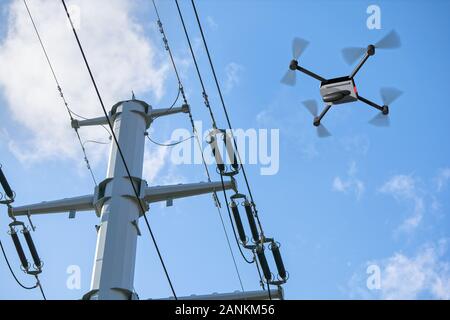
(72, 214)
(31, 223)
(135, 223)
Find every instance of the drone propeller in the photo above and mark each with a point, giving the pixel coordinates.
(389, 41)
(351, 54)
(311, 106)
(298, 47)
(388, 96)
(381, 120)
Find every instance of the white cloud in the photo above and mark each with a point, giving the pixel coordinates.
(211, 23)
(425, 274)
(400, 186)
(442, 179)
(406, 277)
(122, 59)
(403, 188)
(154, 160)
(351, 184)
(232, 75)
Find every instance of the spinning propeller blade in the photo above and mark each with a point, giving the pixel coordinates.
(311, 106)
(298, 47)
(389, 41)
(381, 120)
(352, 54)
(389, 95)
(322, 132)
(290, 78)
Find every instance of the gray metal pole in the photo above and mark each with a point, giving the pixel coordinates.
(115, 254)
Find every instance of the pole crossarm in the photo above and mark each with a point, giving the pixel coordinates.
(238, 295)
(151, 194)
(170, 192)
(156, 113)
(150, 114)
(100, 121)
(82, 203)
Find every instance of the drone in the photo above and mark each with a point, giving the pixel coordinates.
(343, 90)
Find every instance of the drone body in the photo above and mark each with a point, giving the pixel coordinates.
(343, 89)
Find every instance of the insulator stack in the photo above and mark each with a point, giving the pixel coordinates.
(32, 248)
(251, 221)
(238, 222)
(5, 185)
(263, 262)
(229, 145)
(216, 154)
(275, 247)
(19, 249)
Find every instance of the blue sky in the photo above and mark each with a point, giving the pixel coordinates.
(365, 196)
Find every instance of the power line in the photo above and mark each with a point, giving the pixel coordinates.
(194, 130)
(226, 113)
(205, 95)
(69, 111)
(120, 150)
(168, 144)
(12, 271)
(38, 282)
(234, 141)
(96, 142)
(212, 119)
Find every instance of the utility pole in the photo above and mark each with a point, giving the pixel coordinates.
(114, 200)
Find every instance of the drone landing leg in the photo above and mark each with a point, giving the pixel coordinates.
(383, 109)
(322, 114)
(310, 73)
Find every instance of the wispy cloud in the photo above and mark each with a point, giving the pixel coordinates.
(232, 75)
(350, 184)
(121, 56)
(211, 22)
(442, 179)
(406, 277)
(404, 188)
(154, 161)
(425, 274)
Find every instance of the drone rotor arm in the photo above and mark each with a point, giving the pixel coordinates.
(310, 73)
(361, 63)
(370, 103)
(322, 114)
